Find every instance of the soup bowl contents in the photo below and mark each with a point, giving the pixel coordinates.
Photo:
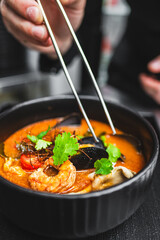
(61, 157)
(97, 186)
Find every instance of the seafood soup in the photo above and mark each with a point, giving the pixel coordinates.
(60, 156)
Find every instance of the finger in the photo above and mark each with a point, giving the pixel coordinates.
(40, 48)
(151, 86)
(149, 81)
(16, 25)
(33, 43)
(27, 9)
(26, 39)
(154, 65)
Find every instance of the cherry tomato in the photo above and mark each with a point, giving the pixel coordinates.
(29, 162)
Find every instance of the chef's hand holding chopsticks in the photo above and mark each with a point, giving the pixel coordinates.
(151, 84)
(24, 21)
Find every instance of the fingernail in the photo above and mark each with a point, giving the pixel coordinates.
(38, 32)
(155, 64)
(33, 14)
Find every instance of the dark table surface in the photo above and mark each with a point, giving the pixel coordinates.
(143, 224)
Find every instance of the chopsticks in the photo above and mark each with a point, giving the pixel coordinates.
(66, 70)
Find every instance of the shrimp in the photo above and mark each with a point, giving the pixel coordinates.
(59, 183)
(11, 166)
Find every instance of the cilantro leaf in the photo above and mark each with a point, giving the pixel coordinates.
(42, 144)
(33, 139)
(39, 142)
(103, 166)
(113, 152)
(65, 146)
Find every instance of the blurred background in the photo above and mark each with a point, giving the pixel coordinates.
(114, 19)
(20, 77)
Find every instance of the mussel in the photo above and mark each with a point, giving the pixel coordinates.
(86, 156)
(91, 140)
(71, 119)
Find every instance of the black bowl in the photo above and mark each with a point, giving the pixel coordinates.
(68, 216)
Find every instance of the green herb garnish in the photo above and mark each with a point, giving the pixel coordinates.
(113, 152)
(39, 142)
(103, 138)
(65, 146)
(104, 166)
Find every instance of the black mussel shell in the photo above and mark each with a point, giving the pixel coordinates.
(90, 140)
(86, 157)
(71, 119)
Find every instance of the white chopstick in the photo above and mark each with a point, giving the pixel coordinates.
(87, 65)
(66, 71)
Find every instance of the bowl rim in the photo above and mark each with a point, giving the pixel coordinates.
(113, 189)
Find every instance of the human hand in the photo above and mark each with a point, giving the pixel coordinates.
(24, 21)
(149, 83)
